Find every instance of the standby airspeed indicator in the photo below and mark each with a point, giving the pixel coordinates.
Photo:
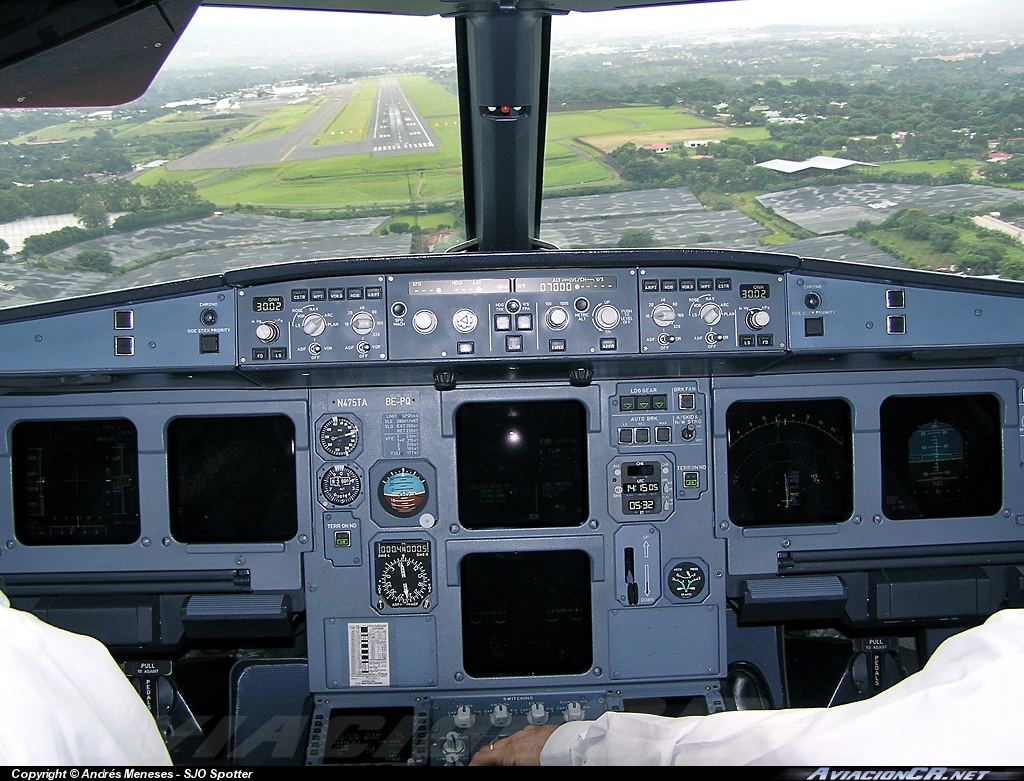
(339, 436)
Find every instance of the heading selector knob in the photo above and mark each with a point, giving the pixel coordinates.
(424, 321)
(267, 332)
(663, 315)
(710, 314)
(607, 317)
(362, 323)
(757, 319)
(314, 324)
(557, 318)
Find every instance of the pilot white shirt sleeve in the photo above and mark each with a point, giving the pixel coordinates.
(961, 709)
(64, 700)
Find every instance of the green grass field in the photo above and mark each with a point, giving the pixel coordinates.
(429, 97)
(277, 122)
(352, 122)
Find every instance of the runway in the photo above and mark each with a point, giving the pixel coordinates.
(397, 129)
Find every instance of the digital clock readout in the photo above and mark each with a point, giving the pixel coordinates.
(268, 304)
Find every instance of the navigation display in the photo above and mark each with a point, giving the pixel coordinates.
(526, 613)
(76, 482)
(941, 456)
(232, 479)
(790, 462)
(521, 464)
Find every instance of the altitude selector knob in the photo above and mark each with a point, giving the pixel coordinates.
(607, 317)
(362, 323)
(557, 318)
(710, 314)
(663, 315)
(757, 319)
(314, 324)
(267, 332)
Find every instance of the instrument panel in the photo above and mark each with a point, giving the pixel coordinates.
(697, 456)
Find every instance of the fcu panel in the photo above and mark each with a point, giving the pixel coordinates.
(512, 315)
(711, 311)
(312, 322)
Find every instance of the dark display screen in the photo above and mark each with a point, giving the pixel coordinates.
(522, 464)
(526, 613)
(76, 482)
(941, 456)
(790, 462)
(369, 735)
(232, 479)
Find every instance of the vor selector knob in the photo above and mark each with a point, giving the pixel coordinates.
(710, 314)
(607, 317)
(757, 319)
(557, 318)
(362, 323)
(267, 332)
(424, 321)
(663, 315)
(314, 324)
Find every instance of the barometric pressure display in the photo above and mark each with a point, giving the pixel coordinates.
(268, 304)
(757, 291)
(789, 462)
(402, 573)
(941, 456)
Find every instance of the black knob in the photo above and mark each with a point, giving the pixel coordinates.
(812, 300)
(208, 317)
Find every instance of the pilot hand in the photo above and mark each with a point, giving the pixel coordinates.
(522, 748)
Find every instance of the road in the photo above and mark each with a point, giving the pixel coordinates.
(397, 129)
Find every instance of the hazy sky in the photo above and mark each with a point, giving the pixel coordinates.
(215, 30)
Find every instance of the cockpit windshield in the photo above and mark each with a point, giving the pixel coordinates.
(877, 133)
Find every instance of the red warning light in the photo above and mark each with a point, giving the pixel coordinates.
(505, 109)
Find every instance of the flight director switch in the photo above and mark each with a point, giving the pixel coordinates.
(461, 317)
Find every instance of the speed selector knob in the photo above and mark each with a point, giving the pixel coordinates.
(314, 324)
(424, 321)
(362, 323)
(710, 314)
(757, 319)
(557, 318)
(267, 332)
(663, 315)
(606, 317)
